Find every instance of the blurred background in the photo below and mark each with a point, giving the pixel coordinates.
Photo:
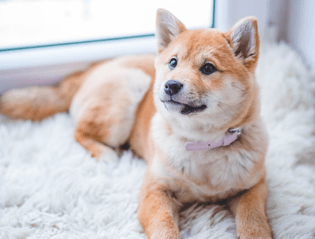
(41, 41)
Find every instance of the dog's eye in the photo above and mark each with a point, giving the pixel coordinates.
(208, 69)
(173, 63)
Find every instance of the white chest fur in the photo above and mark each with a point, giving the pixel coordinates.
(202, 175)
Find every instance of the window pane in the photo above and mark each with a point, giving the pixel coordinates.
(38, 22)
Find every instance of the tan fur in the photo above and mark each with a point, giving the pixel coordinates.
(123, 100)
(37, 103)
(158, 211)
(105, 118)
(250, 212)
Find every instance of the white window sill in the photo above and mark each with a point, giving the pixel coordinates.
(42, 66)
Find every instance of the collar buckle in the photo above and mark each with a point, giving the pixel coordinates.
(238, 130)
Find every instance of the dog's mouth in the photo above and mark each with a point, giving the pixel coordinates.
(187, 109)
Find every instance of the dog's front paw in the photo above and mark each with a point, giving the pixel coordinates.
(165, 235)
(255, 233)
(164, 231)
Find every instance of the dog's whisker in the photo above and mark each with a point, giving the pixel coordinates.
(220, 102)
(223, 111)
(233, 85)
(221, 106)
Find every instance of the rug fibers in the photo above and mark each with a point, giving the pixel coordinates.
(50, 187)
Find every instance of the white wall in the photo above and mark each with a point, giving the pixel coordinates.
(228, 12)
(301, 29)
(293, 21)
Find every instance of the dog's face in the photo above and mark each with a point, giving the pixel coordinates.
(204, 73)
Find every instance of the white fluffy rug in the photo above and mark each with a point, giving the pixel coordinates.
(51, 188)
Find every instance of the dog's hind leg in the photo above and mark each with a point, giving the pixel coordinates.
(103, 128)
(90, 139)
(104, 108)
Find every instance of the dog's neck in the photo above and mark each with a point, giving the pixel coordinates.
(194, 130)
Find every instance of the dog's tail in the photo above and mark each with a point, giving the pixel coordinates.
(37, 103)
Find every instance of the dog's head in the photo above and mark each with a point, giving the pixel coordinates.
(206, 74)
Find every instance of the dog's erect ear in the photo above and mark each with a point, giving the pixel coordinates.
(243, 38)
(168, 27)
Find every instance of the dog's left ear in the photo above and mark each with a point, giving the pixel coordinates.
(168, 27)
(243, 38)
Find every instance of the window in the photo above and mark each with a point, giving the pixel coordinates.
(30, 23)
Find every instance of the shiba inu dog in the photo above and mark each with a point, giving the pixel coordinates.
(200, 89)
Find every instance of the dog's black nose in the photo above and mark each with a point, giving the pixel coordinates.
(172, 87)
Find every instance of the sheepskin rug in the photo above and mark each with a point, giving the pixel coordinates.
(50, 187)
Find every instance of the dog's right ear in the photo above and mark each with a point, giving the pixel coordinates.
(168, 27)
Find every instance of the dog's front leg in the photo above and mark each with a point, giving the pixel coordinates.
(158, 212)
(250, 213)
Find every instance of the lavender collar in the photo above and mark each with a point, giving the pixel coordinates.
(226, 140)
